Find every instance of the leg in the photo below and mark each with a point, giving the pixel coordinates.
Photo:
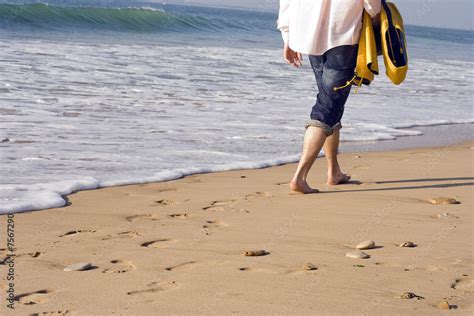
(331, 146)
(313, 142)
(337, 70)
(331, 70)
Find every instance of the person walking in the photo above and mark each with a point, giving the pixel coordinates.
(328, 31)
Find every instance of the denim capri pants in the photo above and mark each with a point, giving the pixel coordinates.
(332, 69)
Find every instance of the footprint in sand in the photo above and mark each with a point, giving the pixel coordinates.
(155, 287)
(463, 283)
(179, 215)
(258, 269)
(214, 224)
(120, 266)
(126, 234)
(55, 313)
(183, 266)
(159, 243)
(141, 217)
(164, 202)
(238, 210)
(220, 205)
(248, 197)
(74, 233)
(33, 298)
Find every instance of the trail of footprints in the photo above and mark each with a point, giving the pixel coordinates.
(123, 266)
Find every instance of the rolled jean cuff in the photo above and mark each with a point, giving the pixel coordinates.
(328, 130)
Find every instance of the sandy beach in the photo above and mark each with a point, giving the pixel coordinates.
(177, 247)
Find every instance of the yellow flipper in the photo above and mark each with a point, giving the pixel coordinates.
(367, 64)
(391, 37)
(394, 44)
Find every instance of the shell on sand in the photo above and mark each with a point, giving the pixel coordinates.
(255, 253)
(368, 244)
(78, 266)
(310, 266)
(407, 244)
(444, 304)
(443, 201)
(357, 255)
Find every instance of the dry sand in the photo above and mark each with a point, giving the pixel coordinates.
(177, 247)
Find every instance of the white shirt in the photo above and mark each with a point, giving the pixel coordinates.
(315, 26)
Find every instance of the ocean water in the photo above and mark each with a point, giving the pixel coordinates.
(123, 92)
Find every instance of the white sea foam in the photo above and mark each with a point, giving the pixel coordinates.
(114, 112)
(21, 198)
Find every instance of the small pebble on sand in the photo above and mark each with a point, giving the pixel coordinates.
(444, 304)
(78, 267)
(357, 255)
(310, 267)
(255, 253)
(407, 244)
(368, 244)
(443, 201)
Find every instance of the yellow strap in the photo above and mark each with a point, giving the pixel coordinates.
(346, 85)
(359, 85)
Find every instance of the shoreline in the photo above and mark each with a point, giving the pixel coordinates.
(432, 136)
(176, 247)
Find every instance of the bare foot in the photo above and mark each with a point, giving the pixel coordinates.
(340, 178)
(301, 187)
